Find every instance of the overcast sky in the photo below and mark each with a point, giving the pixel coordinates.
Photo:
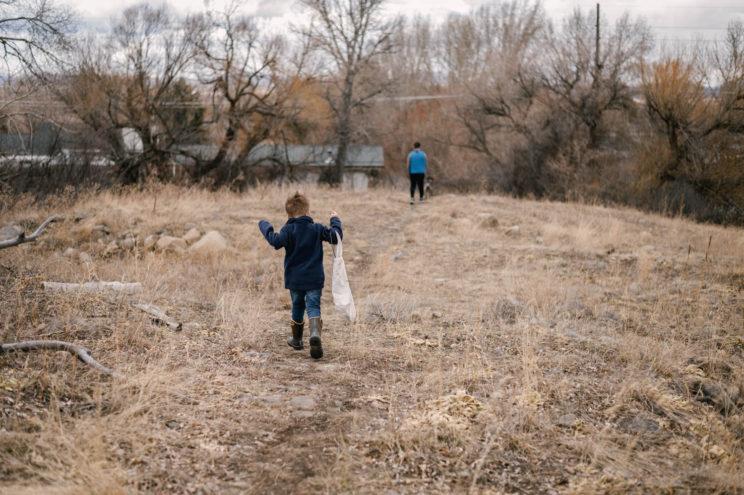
(670, 19)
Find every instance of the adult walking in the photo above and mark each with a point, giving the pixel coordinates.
(417, 170)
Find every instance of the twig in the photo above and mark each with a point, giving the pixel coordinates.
(478, 465)
(22, 237)
(707, 249)
(80, 352)
(127, 288)
(159, 317)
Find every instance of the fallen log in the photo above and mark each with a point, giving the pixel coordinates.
(159, 317)
(22, 237)
(124, 287)
(78, 351)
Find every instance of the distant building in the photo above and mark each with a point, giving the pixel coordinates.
(45, 139)
(307, 162)
(48, 144)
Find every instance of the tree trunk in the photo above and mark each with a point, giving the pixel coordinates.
(343, 148)
(343, 131)
(202, 168)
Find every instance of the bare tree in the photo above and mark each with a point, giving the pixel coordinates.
(240, 66)
(488, 40)
(696, 101)
(412, 64)
(32, 31)
(584, 88)
(87, 87)
(33, 34)
(726, 65)
(151, 51)
(351, 35)
(501, 110)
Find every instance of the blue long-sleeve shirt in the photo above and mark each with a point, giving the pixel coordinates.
(417, 162)
(302, 240)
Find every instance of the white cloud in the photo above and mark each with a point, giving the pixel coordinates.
(671, 19)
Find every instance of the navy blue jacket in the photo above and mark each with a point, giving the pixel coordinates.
(303, 242)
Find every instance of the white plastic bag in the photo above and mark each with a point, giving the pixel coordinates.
(342, 298)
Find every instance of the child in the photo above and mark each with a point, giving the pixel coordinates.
(303, 266)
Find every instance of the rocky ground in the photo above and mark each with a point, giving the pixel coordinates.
(502, 346)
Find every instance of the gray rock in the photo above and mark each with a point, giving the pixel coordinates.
(111, 248)
(79, 216)
(272, 398)
(398, 255)
(70, 253)
(304, 402)
(128, 243)
(610, 315)
(567, 421)
(639, 424)
(505, 310)
(577, 309)
(171, 244)
(212, 243)
(724, 398)
(513, 230)
(192, 236)
(101, 228)
(490, 222)
(256, 356)
(595, 266)
(150, 241)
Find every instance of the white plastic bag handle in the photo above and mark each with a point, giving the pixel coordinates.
(338, 248)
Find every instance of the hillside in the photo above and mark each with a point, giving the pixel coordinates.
(503, 346)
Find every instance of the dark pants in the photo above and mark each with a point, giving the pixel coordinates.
(417, 180)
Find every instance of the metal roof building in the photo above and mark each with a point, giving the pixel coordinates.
(358, 156)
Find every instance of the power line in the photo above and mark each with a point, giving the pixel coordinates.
(691, 28)
(690, 40)
(626, 5)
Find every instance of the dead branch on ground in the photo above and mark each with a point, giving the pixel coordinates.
(124, 287)
(22, 237)
(80, 352)
(159, 317)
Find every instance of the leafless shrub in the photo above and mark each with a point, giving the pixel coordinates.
(390, 308)
(703, 130)
(506, 310)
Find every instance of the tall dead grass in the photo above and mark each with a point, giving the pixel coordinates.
(580, 352)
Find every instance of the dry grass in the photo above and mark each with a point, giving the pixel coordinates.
(590, 350)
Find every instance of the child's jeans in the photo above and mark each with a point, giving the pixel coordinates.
(305, 299)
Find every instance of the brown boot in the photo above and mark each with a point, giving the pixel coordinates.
(295, 341)
(316, 349)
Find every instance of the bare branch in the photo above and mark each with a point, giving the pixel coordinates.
(159, 316)
(91, 287)
(78, 351)
(23, 238)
